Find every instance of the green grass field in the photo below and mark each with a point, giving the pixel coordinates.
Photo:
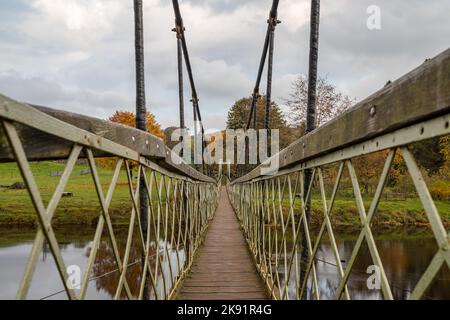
(83, 208)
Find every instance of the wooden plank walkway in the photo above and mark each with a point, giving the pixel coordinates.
(224, 268)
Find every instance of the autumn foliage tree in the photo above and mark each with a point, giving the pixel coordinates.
(440, 187)
(129, 119)
(445, 151)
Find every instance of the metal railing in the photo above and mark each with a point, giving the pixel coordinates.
(272, 209)
(181, 201)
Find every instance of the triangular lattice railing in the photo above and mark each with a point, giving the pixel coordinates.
(272, 211)
(179, 210)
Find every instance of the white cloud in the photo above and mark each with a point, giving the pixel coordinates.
(78, 54)
(46, 92)
(295, 14)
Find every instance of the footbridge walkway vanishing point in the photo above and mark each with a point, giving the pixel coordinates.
(250, 238)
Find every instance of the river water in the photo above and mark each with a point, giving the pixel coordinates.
(75, 245)
(405, 258)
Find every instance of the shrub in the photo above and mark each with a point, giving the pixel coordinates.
(440, 190)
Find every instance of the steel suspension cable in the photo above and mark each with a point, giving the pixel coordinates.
(180, 82)
(312, 82)
(313, 66)
(255, 96)
(180, 29)
(141, 113)
(311, 107)
(268, 49)
(272, 24)
(141, 108)
(273, 21)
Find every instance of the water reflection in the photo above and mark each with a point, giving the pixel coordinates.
(75, 245)
(404, 260)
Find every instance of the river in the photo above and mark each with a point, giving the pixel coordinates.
(405, 255)
(75, 245)
(405, 258)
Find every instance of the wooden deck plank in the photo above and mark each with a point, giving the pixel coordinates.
(205, 283)
(225, 296)
(224, 268)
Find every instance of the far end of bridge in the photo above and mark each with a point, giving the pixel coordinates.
(224, 268)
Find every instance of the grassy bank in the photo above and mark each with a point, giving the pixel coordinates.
(81, 208)
(392, 213)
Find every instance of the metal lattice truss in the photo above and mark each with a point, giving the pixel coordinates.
(280, 239)
(179, 210)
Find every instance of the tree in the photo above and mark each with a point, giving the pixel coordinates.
(240, 111)
(330, 102)
(369, 168)
(444, 143)
(428, 155)
(129, 119)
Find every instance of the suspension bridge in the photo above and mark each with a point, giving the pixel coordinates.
(201, 239)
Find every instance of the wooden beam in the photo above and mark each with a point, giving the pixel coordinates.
(420, 95)
(144, 143)
(49, 134)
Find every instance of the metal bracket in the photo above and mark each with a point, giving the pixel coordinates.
(179, 30)
(273, 22)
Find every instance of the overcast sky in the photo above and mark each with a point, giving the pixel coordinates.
(78, 55)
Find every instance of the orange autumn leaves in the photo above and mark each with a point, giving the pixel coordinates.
(129, 119)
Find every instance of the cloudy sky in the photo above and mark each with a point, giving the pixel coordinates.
(78, 55)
